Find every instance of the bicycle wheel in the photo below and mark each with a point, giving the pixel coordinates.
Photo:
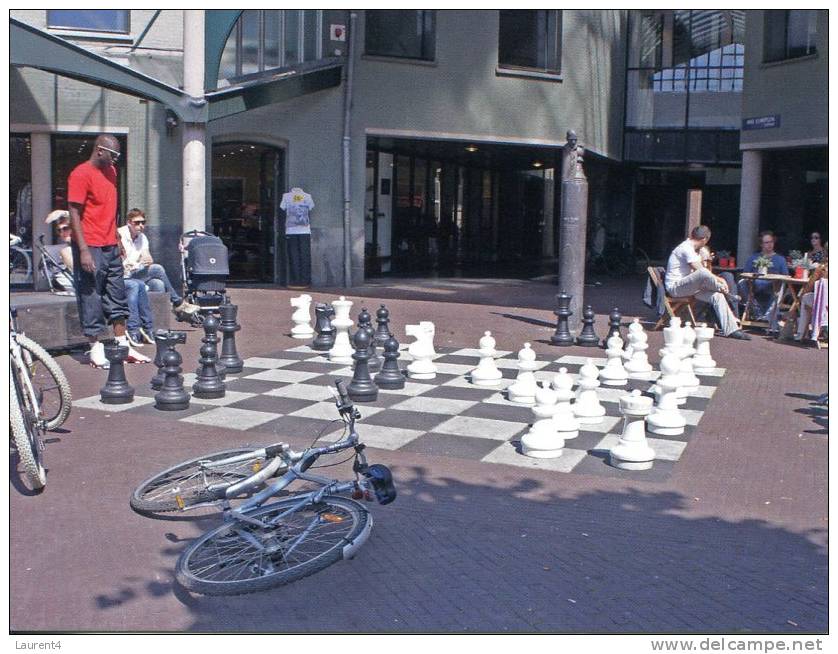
(49, 381)
(26, 433)
(243, 557)
(185, 484)
(20, 266)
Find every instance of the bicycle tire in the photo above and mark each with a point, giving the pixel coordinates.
(26, 435)
(53, 416)
(209, 563)
(157, 494)
(20, 262)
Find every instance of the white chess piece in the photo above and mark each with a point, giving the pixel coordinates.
(633, 328)
(638, 366)
(566, 422)
(523, 389)
(562, 380)
(422, 351)
(672, 337)
(430, 328)
(666, 419)
(614, 374)
(702, 361)
(486, 373)
(302, 317)
(587, 407)
(688, 378)
(342, 350)
(632, 452)
(542, 441)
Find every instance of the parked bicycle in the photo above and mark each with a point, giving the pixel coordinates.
(260, 545)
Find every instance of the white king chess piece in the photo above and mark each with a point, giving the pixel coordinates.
(486, 373)
(342, 349)
(302, 317)
(587, 408)
(522, 391)
(422, 351)
(632, 451)
(702, 361)
(542, 441)
(614, 373)
(666, 419)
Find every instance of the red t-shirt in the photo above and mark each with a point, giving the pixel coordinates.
(95, 190)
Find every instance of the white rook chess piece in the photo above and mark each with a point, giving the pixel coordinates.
(486, 373)
(638, 366)
(342, 350)
(542, 441)
(702, 361)
(587, 407)
(523, 389)
(614, 374)
(565, 420)
(302, 317)
(666, 419)
(632, 452)
(422, 351)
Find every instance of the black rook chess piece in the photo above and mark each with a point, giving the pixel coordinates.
(390, 377)
(361, 388)
(229, 358)
(325, 339)
(382, 331)
(208, 385)
(587, 337)
(614, 320)
(562, 336)
(116, 390)
(172, 396)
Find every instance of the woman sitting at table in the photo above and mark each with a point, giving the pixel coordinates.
(807, 300)
(817, 254)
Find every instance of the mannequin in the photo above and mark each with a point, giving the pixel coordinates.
(297, 205)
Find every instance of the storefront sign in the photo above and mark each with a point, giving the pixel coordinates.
(761, 122)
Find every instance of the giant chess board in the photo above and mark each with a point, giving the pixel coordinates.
(288, 394)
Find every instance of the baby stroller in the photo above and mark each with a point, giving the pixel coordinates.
(59, 276)
(205, 267)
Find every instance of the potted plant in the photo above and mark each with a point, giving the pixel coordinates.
(799, 263)
(762, 264)
(724, 259)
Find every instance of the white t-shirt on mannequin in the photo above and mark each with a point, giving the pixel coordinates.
(297, 204)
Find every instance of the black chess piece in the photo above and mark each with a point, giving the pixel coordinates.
(161, 337)
(362, 388)
(209, 385)
(390, 377)
(172, 396)
(116, 390)
(325, 339)
(562, 337)
(229, 358)
(382, 330)
(587, 337)
(365, 322)
(614, 320)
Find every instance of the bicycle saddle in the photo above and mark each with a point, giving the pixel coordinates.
(382, 483)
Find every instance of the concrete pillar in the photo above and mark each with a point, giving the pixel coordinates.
(548, 243)
(41, 200)
(572, 229)
(749, 204)
(694, 196)
(194, 134)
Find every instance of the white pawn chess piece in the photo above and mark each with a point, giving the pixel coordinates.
(587, 408)
(666, 419)
(638, 366)
(562, 380)
(342, 349)
(422, 351)
(703, 363)
(634, 328)
(302, 317)
(486, 373)
(567, 424)
(542, 441)
(523, 389)
(614, 373)
(632, 451)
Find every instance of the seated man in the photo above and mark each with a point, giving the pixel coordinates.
(807, 300)
(138, 263)
(686, 276)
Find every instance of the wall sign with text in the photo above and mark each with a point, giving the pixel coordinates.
(761, 122)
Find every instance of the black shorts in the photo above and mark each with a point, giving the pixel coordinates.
(100, 296)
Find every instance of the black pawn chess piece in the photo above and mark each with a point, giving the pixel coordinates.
(587, 337)
(614, 320)
(362, 388)
(161, 338)
(382, 330)
(325, 339)
(390, 377)
(172, 396)
(229, 358)
(208, 385)
(116, 390)
(562, 337)
(365, 322)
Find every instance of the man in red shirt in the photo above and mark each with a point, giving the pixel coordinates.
(97, 261)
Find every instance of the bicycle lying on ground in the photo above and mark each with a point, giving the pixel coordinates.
(260, 545)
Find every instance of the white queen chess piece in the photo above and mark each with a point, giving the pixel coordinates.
(702, 361)
(422, 351)
(342, 350)
(486, 373)
(666, 419)
(542, 441)
(632, 451)
(522, 391)
(302, 317)
(614, 373)
(587, 408)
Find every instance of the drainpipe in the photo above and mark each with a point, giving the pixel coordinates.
(347, 152)
(194, 134)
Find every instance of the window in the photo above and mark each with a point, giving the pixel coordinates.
(90, 20)
(404, 34)
(790, 33)
(531, 39)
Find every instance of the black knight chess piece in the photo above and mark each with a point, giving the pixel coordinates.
(229, 358)
(562, 337)
(208, 385)
(587, 337)
(172, 396)
(116, 390)
(382, 331)
(325, 339)
(362, 388)
(615, 318)
(390, 377)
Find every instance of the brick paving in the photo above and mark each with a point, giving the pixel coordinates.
(734, 541)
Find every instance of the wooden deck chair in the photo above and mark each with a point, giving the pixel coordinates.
(672, 305)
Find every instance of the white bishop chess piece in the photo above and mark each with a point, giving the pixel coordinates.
(703, 363)
(542, 441)
(666, 419)
(421, 350)
(486, 373)
(567, 424)
(522, 391)
(632, 451)
(638, 366)
(614, 373)
(587, 408)
(342, 349)
(302, 317)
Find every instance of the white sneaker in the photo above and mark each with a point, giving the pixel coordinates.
(133, 355)
(97, 356)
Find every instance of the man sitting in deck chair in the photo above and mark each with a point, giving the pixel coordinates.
(686, 276)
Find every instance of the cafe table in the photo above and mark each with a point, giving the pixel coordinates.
(782, 285)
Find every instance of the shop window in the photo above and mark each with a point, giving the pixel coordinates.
(790, 33)
(90, 20)
(530, 39)
(403, 34)
(20, 209)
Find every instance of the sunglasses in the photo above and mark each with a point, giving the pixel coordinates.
(815, 238)
(138, 222)
(64, 228)
(114, 154)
